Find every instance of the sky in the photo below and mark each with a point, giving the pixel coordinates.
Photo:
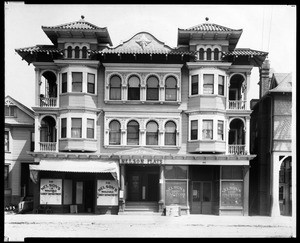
(269, 28)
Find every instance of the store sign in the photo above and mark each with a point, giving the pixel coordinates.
(51, 191)
(142, 161)
(107, 193)
(231, 194)
(176, 192)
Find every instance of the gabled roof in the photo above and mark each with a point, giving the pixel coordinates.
(209, 27)
(11, 101)
(80, 24)
(281, 82)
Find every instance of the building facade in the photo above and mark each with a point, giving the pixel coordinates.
(142, 125)
(271, 170)
(19, 138)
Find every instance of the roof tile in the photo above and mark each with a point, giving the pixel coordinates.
(210, 27)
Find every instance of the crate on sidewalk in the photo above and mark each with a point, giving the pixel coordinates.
(173, 210)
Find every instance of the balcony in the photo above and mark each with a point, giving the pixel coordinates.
(48, 102)
(237, 105)
(237, 149)
(47, 146)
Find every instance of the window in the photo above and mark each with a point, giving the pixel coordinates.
(220, 130)
(6, 176)
(208, 83)
(69, 52)
(208, 54)
(91, 83)
(194, 130)
(195, 84)
(170, 133)
(77, 82)
(133, 88)
(32, 141)
(76, 128)
(201, 54)
(114, 133)
(152, 88)
(171, 89)
(115, 88)
(216, 54)
(207, 129)
(90, 128)
(77, 52)
(6, 141)
(133, 130)
(64, 82)
(63, 128)
(221, 85)
(9, 111)
(232, 172)
(152, 133)
(84, 52)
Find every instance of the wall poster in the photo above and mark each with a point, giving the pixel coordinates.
(51, 191)
(231, 193)
(176, 192)
(107, 193)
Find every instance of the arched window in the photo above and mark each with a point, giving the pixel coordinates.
(133, 133)
(134, 88)
(216, 54)
(208, 54)
(152, 133)
(152, 88)
(69, 52)
(114, 133)
(77, 52)
(115, 88)
(201, 54)
(170, 133)
(84, 52)
(171, 89)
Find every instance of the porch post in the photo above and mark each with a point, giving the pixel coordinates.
(247, 138)
(161, 189)
(122, 188)
(275, 166)
(246, 190)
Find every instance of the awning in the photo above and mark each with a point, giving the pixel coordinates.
(83, 166)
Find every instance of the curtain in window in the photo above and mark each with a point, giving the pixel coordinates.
(133, 130)
(208, 84)
(152, 88)
(194, 130)
(221, 85)
(152, 133)
(133, 88)
(115, 88)
(77, 82)
(90, 128)
(171, 89)
(195, 84)
(170, 133)
(91, 83)
(76, 128)
(207, 129)
(114, 133)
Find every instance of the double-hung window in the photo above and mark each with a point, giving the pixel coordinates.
(76, 129)
(152, 88)
(170, 133)
(63, 127)
(115, 88)
(134, 88)
(114, 133)
(133, 130)
(76, 81)
(207, 129)
(221, 85)
(152, 133)
(64, 82)
(220, 130)
(6, 176)
(194, 130)
(91, 83)
(171, 89)
(10, 111)
(90, 128)
(194, 85)
(208, 83)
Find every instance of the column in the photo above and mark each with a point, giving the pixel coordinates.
(37, 86)
(275, 167)
(247, 138)
(246, 190)
(247, 91)
(36, 134)
(122, 188)
(161, 189)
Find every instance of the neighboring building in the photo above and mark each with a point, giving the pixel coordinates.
(18, 139)
(271, 140)
(142, 125)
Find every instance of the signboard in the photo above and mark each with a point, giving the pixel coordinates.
(176, 192)
(231, 194)
(107, 193)
(51, 191)
(142, 161)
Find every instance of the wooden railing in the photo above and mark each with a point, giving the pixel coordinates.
(47, 146)
(48, 102)
(237, 105)
(237, 149)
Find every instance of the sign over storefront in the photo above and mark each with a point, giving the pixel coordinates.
(107, 193)
(51, 191)
(142, 161)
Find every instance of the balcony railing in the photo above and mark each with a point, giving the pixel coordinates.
(48, 102)
(237, 105)
(47, 146)
(237, 149)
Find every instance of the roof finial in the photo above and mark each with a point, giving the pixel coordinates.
(206, 18)
(82, 17)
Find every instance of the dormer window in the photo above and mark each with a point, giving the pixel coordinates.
(69, 52)
(77, 52)
(201, 54)
(208, 54)
(84, 52)
(216, 54)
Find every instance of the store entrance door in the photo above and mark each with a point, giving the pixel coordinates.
(202, 197)
(88, 197)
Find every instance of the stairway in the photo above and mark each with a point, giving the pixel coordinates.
(140, 208)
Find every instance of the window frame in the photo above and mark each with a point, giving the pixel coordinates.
(171, 89)
(152, 134)
(90, 130)
(222, 86)
(208, 85)
(208, 54)
(64, 82)
(73, 129)
(115, 88)
(194, 132)
(10, 111)
(77, 82)
(205, 130)
(77, 52)
(221, 131)
(137, 134)
(194, 84)
(115, 132)
(6, 176)
(173, 134)
(91, 85)
(155, 90)
(134, 91)
(7, 142)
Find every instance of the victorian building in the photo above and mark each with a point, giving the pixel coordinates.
(142, 126)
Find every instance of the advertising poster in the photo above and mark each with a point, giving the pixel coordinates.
(107, 193)
(51, 191)
(231, 194)
(176, 192)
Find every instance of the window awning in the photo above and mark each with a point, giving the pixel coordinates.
(83, 166)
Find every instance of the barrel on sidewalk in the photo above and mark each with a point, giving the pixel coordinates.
(173, 210)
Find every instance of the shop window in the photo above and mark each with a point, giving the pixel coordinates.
(9, 111)
(51, 191)
(76, 128)
(208, 84)
(115, 88)
(63, 128)
(6, 141)
(114, 133)
(133, 130)
(79, 192)
(232, 194)
(68, 192)
(194, 130)
(201, 54)
(216, 54)
(76, 82)
(77, 52)
(220, 130)
(6, 176)
(84, 52)
(232, 172)
(152, 88)
(64, 82)
(69, 52)
(171, 89)
(207, 129)
(134, 88)
(152, 133)
(90, 129)
(195, 85)
(170, 133)
(208, 54)
(221, 85)
(91, 83)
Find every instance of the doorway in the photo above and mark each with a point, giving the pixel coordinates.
(89, 196)
(202, 197)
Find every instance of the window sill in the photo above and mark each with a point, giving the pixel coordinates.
(77, 93)
(140, 102)
(207, 95)
(137, 146)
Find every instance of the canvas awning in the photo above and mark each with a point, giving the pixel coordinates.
(83, 166)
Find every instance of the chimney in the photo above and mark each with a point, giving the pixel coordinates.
(264, 76)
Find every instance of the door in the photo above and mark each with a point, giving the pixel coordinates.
(134, 187)
(153, 180)
(202, 197)
(89, 196)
